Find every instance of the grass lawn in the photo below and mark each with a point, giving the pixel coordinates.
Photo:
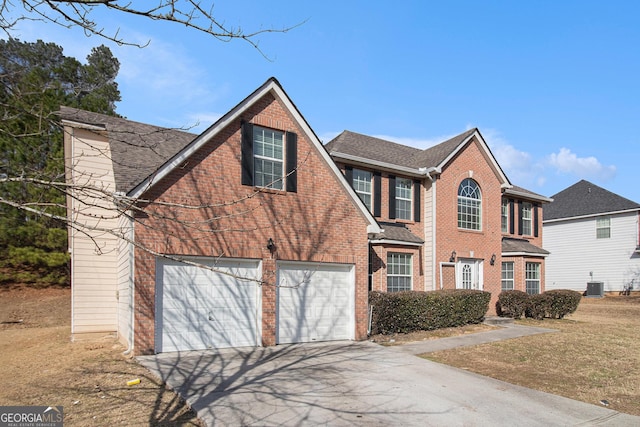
(595, 355)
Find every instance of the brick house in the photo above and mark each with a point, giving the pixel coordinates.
(450, 216)
(244, 235)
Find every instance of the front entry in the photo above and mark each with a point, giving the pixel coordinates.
(469, 274)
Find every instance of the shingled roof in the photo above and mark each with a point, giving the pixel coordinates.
(397, 233)
(369, 147)
(137, 149)
(585, 198)
(521, 246)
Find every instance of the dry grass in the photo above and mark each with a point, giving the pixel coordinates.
(40, 366)
(595, 355)
(397, 339)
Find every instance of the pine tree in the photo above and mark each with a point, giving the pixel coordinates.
(35, 79)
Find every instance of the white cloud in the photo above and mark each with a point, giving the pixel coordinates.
(567, 162)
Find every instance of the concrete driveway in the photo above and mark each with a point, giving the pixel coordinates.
(357, 383)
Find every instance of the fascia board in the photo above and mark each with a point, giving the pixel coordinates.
(571, 218)
(387, 167)
(503, 178)
(270, 86)
(81, 125)
(529, 254)
(529, 196)
(394, 242)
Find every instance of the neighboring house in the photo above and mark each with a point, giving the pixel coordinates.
(592, 235)
(255, 197)
(450, 216)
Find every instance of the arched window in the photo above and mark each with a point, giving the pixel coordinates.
(469, 205)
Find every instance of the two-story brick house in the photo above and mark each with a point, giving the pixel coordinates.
(450, 216)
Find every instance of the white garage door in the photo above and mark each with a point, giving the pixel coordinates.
(315, 302)
(198, 308)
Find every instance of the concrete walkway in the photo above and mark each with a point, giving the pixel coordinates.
(504, 332)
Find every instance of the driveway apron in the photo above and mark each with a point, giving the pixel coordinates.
(357, 383)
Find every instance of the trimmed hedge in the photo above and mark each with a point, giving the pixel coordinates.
(553, 304)
(403, 312)
(512, 304)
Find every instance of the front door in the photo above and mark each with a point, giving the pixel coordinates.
(468, 276)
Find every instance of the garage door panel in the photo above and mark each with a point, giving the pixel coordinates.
(206, 309)
(315, 302)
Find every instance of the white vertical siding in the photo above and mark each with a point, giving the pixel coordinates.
(125, 282)
(575, 252)
(429, 268)
(94, 257)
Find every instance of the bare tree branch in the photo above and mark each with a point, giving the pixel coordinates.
(191, 14)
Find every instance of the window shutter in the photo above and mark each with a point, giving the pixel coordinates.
(520, 206)
(247, 153)
(392, 197)
(292, 162)
(377, 194)
(511, 217)
(535, 220)
(417, 206)
(348, 173)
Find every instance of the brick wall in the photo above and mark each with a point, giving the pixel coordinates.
(473, 245)
(317, 223)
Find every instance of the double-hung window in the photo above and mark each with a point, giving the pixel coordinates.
(526, 218)
(469, 205)
(504, 216)
(362, 185)
(603, 228)
(268, 151)
(507, 276)
(532, 278)
(403, 198)
(399, 272)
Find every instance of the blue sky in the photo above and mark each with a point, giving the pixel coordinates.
(552, 86)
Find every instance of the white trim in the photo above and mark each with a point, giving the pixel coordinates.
(569, 218)
(485, 148)
(529, 196)
(388, 167)
(394, 242)
(82, 125)
(529, 254)
(270, 86)
(433, 234)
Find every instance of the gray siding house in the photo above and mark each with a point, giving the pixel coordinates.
(592, 235)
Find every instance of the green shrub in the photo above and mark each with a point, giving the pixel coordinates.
(512, 304)
(562, 302)
(403, 312)
(538, 306)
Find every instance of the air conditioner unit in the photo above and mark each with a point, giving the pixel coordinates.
(595, 289)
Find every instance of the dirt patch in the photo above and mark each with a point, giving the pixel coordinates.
(396, 339)
(39, 365)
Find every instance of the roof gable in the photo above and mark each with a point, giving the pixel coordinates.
(354, 146)
(584, 199)
(172, 148)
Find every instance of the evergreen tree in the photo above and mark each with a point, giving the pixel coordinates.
(35, 79)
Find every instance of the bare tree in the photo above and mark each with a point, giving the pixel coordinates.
(191, 14)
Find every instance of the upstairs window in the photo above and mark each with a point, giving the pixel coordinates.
(403, 198)
(504, 216)
(269, 158)
(603, 228)
(526, 219)
(268, 151)
(362, 185)
(469, 205)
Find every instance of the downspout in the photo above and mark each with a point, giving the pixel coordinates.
(71, 231)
